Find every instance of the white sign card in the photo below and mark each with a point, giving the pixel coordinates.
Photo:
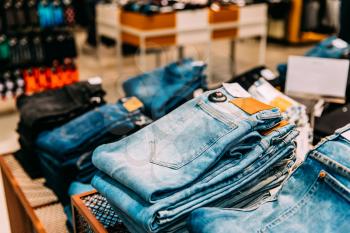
(236, 90)
(317, 77)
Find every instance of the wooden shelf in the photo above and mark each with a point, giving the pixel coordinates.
(31, 206)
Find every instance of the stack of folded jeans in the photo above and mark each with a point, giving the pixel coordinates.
(204, 153)
(164, 89)
(50, 109)
(295, 112)
(65, 152)
(316, 198)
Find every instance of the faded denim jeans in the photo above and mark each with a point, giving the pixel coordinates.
(193, 156)
(166, 88)
(316, 198)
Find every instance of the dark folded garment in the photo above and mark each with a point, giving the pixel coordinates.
(65, 152)
(53, 108)
(48, 110)
(334, 117)
(248, 78)
(166, 88)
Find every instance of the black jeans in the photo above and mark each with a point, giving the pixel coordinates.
(52, 108)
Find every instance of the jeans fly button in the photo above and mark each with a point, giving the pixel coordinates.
(217, 97)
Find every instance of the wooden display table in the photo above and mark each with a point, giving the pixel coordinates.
(31, 206)
(92, 213)
(183, 28)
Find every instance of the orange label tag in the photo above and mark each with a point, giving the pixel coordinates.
(280, 125)
(250, 105)
(133, 104)
(281, 103)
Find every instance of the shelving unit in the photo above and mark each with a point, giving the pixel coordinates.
(166, 30)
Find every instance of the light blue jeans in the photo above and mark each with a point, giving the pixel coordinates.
(195, 155)
(316, 198)
(196, 135)
(166, 212)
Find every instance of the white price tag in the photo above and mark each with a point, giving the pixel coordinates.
(95, 80)
(346, 135)
(236, 90)
(340, 44)
(268, 74)
(198, 63)
(268, 92)
(318, 108)
(198, 92)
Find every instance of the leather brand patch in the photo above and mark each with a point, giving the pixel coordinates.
(281, 103)
(250, 105)
(133, 104)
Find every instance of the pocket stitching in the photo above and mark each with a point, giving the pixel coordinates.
(337, 187)
(330, 163)
(212, 112)
(187, 161)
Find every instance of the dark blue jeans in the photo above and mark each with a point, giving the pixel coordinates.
(50, 109)
(166, 88)
(65, 152)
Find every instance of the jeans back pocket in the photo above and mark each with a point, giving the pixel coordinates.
(185, 134)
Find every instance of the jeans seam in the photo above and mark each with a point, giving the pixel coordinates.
(215, 114)
(337, 186)
(294, 209)
(336, 166)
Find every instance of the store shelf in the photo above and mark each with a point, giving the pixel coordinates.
(92, 213)
(31, 206)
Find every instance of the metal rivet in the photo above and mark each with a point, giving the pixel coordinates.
(322, 174)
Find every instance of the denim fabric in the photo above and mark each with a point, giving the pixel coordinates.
(327, 49)
(60, 174)
(164, 89)
(86, 130)
(295, 112)
(197, 131)
(50, 109)
(316, 198)
(65, 152)
(215, 150)
(217, 186)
